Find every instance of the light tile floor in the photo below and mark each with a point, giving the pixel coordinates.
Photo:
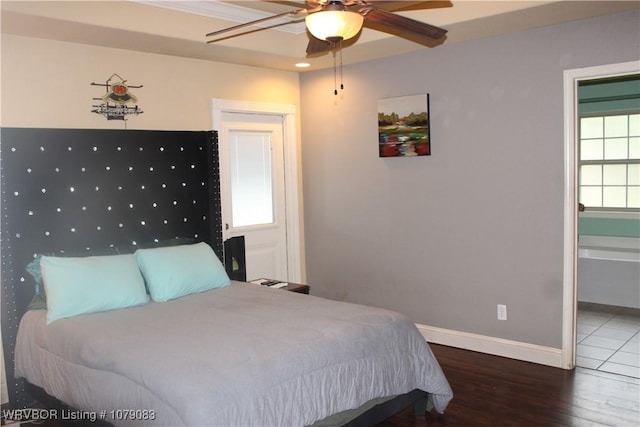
(608, 339)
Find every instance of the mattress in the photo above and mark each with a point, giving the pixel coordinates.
(240, 355)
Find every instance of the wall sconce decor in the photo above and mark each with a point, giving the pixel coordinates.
(116, 98)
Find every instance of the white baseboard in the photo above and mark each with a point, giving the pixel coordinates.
(497, 346)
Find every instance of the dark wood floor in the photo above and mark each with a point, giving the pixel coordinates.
(496, 391)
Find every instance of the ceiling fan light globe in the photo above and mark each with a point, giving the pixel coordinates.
(342, 24)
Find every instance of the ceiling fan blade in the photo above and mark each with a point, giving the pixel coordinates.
(291, 13)
(401, 26)
(396, 5)
(292, 3)
(317, 46)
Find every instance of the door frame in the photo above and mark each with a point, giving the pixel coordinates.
(570, 253)
(287, 112)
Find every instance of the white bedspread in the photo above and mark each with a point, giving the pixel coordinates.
(243, 355)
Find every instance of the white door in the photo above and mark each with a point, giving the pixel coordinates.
(253, 190)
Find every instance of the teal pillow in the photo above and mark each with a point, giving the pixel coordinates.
(176, 271)
(91, 284)
(39, 300)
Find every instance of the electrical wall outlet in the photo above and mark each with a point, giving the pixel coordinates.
(502, 312)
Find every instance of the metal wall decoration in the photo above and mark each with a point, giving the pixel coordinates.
(116, 98)
(404, 126)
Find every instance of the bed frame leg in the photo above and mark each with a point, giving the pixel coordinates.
(423, 405)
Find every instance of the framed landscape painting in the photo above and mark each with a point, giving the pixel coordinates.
(403, 126)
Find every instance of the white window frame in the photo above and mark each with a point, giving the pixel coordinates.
(606, 162)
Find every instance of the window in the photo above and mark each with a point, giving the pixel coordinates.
(609, 138)
(610, 161)
(251, 182)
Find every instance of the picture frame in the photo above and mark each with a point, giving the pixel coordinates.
(404, 126)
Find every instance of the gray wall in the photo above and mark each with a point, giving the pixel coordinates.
(445, 238)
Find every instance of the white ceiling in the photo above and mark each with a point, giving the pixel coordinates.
(178, 27)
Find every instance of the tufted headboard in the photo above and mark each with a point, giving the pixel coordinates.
(83, 191)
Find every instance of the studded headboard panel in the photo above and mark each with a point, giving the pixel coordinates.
(82, 191)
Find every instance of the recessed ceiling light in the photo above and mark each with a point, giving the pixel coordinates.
(303, 65)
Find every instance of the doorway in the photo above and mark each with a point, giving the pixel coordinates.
(259, 185)
(570, 257)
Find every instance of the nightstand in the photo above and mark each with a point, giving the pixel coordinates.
(296, 287)
(291, 287)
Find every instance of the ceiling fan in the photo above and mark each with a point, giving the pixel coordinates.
(329, 22)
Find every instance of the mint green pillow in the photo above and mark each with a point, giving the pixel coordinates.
(176, 271)
(39, 300)
(91, 284)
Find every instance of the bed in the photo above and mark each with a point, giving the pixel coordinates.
(232, 353)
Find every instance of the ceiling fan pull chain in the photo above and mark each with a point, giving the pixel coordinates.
(341, 85)
(335, 79)
(337, 47)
